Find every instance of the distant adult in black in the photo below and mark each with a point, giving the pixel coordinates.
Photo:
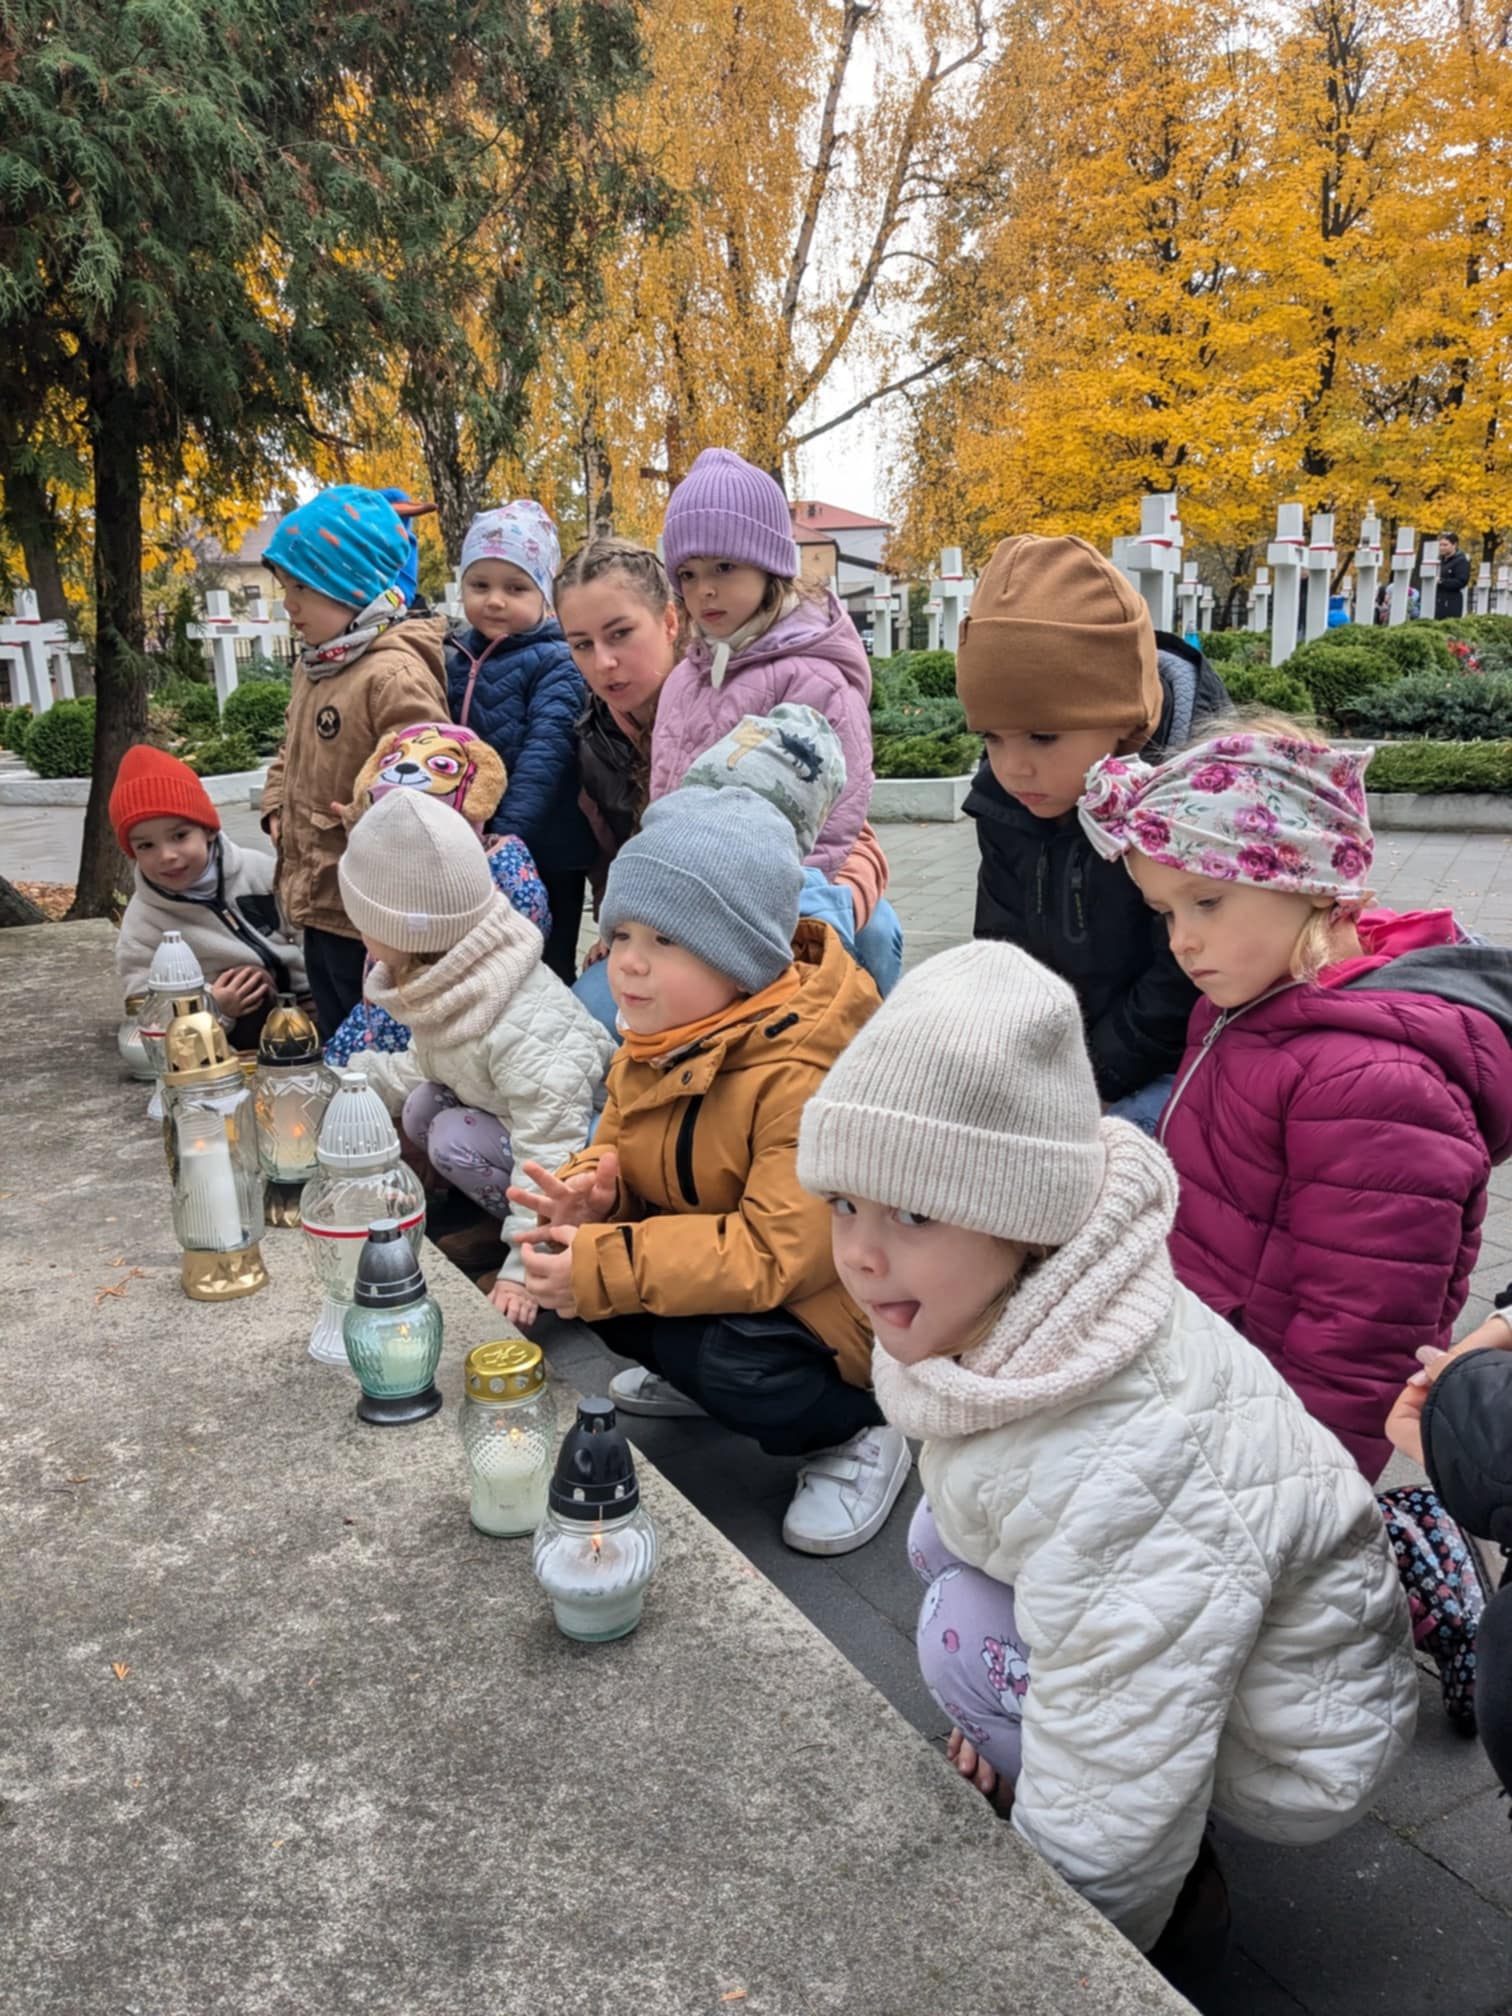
(1454, 577)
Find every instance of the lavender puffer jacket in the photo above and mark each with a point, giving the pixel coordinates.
(1333, 1146)
(812, 656)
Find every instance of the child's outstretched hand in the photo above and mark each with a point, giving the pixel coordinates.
(513, 1304)
(585, 1199)
(971, 1764)
(237, 991)
(547, 1253)
(1404, 1424)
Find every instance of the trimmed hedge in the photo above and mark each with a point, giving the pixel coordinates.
(190, 704)
(1444, 707)
(60, 743)
(931, 674)
(1250, 686)
(1410, 647)
(223, 755)
(257, 711)
(15, 726)
(1442, 766)
(1238, 648)
(926, 755)
(1334, 673)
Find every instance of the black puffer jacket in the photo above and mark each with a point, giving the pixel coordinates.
(1467, 1451)
(1041, 885)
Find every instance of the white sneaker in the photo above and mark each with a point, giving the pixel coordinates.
(640, 1391)
(844, 1495)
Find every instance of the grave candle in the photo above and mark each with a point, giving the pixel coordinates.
(212, 1149)
(508, 1430)
(595, 1550)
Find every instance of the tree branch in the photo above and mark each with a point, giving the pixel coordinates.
(882, 392)
(856, 11)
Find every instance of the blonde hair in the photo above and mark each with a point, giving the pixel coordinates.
(1314, 948)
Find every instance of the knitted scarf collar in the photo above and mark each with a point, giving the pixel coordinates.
(364, 630)
(461, 997)
(1078, 1319)
(723, 649)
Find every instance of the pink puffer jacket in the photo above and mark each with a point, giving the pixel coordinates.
(812, 656)
(1333, 1144)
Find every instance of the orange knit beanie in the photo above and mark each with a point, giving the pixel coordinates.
(151, 784)
(1057, 640)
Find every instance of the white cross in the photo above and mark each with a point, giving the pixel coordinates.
(1285, 554)
(1402, 562)
(952, 592)
(221, 630)
(1153, 560)
(1430, 570)
(1368, 565)
(1260, 596)
(1205, 599)
(883, 604)
(1481, 600)
(33, 649)
(1321, 555)
(1189, 594)
(1503, 592)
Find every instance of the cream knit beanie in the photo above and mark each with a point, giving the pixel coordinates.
(967, 1098)
(414, 876)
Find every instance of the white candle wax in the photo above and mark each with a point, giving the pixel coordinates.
(293, 1140)
(510, 1480)
(598, 1585)
(212, 1218)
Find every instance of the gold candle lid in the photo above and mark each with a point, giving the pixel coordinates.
(195, 1050)
(288, 1035)
(509, 1368)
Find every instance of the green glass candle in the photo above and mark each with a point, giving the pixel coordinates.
(392, 1331)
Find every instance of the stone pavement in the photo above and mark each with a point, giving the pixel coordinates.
(281, 1734)
(1385, 1917)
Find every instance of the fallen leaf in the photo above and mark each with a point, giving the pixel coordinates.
(119, 1668)
(89, 1479)
(119, 1261)
(118, 1287)
(278, 1844)
(733, 1995)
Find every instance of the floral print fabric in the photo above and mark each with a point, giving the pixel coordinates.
(1280, 812)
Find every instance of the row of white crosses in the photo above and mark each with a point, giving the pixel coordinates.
(36, 654)
(949, 600)
(221, 631)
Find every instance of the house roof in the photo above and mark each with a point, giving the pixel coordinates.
(812, 519)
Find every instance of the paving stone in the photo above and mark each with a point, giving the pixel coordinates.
(1441, 1773)
(1476, 1843)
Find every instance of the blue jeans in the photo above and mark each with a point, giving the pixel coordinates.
(1145, 1106)
(592, 989)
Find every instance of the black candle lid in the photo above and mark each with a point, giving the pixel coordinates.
(388, 1274)
(595, 1471)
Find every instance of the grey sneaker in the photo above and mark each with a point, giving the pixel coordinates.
(638, 1391)
(844, 1495)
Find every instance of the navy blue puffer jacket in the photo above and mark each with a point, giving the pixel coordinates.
(523, 695)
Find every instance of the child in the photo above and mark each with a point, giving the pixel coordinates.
(757, 638)
(682, 1233)
(622, 625)
(1153, 1584)
(192, 879)
(366, 667)
(456, 768)
(511, 677)
(1058, 665)
(505, 1064)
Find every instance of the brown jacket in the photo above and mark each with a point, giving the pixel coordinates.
(710, 1218)
(333, 726)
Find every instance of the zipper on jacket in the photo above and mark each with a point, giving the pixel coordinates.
(1076, 919)
(1041, 876)
(1226, 1016)
(684, 1155)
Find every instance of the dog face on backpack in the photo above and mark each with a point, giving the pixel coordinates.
(440, 761)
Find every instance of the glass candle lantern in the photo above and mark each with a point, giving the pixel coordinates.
(595, 1551)
(211, 1133)
(173, 974)
(360, 1177)
(509, 1433)
(129, 1041)
(292, 1090)
(392, 1331)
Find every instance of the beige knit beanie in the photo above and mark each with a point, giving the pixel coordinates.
(968, 1098)
(1058, 640)
(414, 875)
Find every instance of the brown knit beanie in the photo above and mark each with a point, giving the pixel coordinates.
(1058, 640)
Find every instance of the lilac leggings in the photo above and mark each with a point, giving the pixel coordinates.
(467, 1147)
(970, 1654)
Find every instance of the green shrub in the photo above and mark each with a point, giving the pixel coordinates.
(926, 755)
(1411, 647)
(1261, 687)
(1442, 766)
(260, 667)
(258, 711)
(1334, 673)
(1239, 648)
(60, 743)
(920, 717)
(1441, 707)
(15, 725)
(225, 753)
(932, 673)
(192, 706)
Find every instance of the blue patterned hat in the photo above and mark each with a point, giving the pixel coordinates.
(347, 543)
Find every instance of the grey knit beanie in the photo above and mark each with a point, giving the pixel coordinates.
(791, 757)
(969, 1098)
(414, 876)
(718, 872)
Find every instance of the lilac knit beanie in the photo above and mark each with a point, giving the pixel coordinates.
(723, 509)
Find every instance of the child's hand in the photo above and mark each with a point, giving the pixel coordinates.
(971, 1764)
(513, 1304)
(238, 990)
(585, 1199)
(547, 1254)
(274, 826)
(1404, 1424)
(596, 951)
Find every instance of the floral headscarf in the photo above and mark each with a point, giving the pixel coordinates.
(1282, 813)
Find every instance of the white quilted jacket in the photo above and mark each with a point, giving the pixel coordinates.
(1213, 1619)
(502, 1032)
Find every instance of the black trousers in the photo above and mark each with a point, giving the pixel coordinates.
(334, 965)
(763, 1376)
(565, 890)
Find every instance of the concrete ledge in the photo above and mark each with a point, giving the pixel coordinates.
(230, 789)
(1440, 811)
(895, 799)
